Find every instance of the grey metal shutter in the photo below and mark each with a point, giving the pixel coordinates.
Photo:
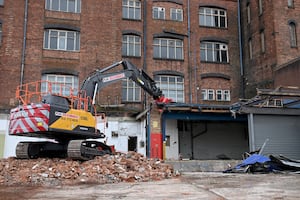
(283, 133)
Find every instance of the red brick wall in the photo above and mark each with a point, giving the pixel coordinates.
(10, 50)
(101, 27)
(259, 72)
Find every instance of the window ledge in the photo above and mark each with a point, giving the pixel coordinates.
(135, 20)
(125, 56)
(169, 59)
(210, 62)
(213, 27)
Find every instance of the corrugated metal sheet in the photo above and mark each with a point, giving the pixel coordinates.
(283, 133)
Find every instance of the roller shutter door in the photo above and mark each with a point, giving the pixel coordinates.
(283, 133)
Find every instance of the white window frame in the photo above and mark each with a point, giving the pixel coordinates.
(291, 3)
(226, 95)
(171, 86)
(210, 94)
(215, 95)
(60, 84)
(214, 52)
(293, 34)
(166, 48)
(131, 92)
(131, 45)
(260, 6)
(248, 13)
(212, 17)
(131, 9)
(176, 14)
(219, 95)
(61, 39)
(158, 13)
(73, 6)
(250, 49)
(204, 94)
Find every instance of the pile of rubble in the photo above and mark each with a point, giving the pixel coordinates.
(129, 167)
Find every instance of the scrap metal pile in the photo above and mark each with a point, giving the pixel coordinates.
(257, 163)
(129, 167)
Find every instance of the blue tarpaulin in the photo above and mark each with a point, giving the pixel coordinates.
(254, 158)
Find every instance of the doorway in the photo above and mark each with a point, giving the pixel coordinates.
(132, 143)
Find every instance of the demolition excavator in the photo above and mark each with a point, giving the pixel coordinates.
(66, 118)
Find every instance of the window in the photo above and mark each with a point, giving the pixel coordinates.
(64, 5)
(171, 86)
(226, 95)
(0, 34)
(131, 9)
(61, 84)
(61, 40)
(176, 14)
(290, 3)
(214, 52)
(131, 45)
(260, 6)
(131, 92)
(248, 13)
(168, 48)
(1, 2)
(293, 34)
(262, 41)
(212, 17)
(218, 95)
(211, 94)
(250, 48)
(208, 94)
(158, 13)
(204, 94)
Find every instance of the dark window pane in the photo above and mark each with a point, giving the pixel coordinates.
(138, 13)
(222, 22)
(55, 4)
(224, 56)
(209, 56)
(216, 21)
(63, 5)
(156, 52)
(46, 39)
(72, 5)
(202, 55)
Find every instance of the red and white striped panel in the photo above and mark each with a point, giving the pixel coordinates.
(29, 119)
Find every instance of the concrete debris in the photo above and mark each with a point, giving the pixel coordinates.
(129, 167)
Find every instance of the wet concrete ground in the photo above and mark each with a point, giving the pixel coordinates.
(196, 185)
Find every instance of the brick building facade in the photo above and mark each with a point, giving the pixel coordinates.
(271, 52)
(101, 27)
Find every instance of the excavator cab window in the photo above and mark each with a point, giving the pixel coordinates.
(56, 100)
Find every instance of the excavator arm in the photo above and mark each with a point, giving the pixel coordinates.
(102, 78)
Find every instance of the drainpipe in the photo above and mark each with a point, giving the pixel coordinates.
(145, 36)
(147, 125)
(24, 41)
(241, 50)
(189, 54)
